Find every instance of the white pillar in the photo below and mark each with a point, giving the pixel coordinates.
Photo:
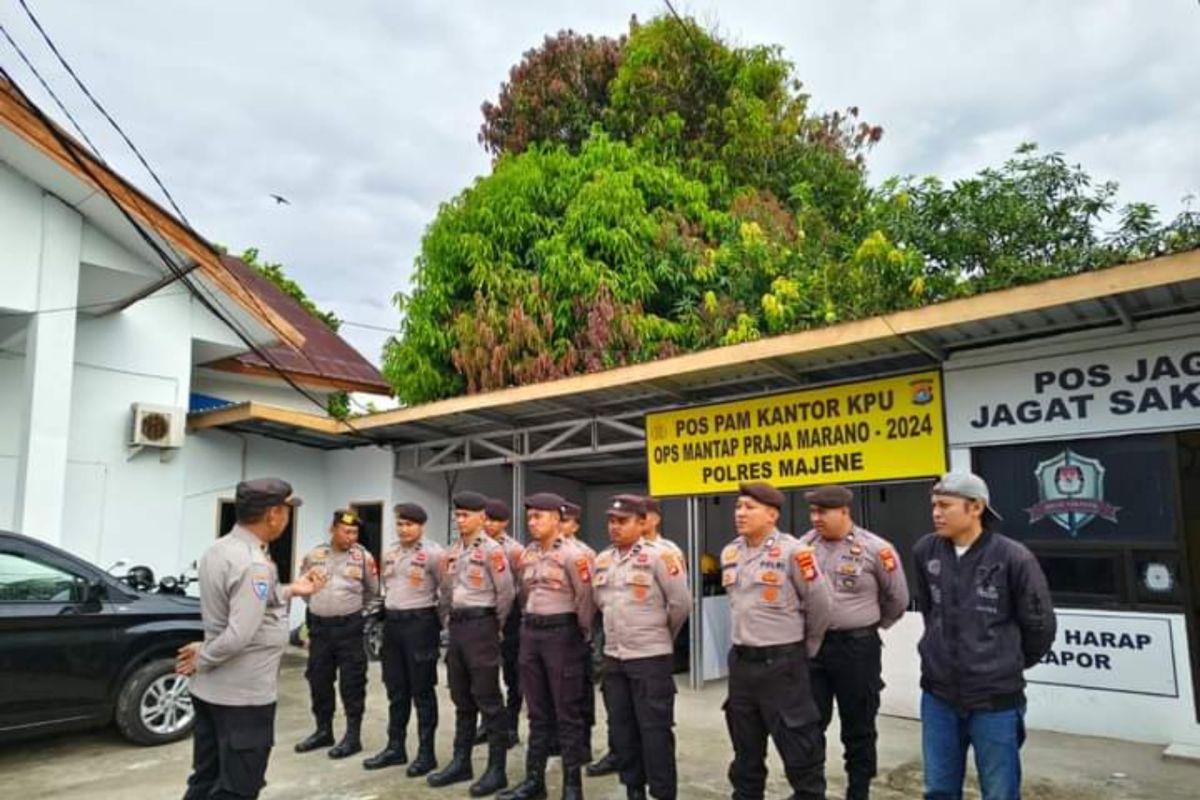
(49, 368)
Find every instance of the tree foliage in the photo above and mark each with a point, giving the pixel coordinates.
(555, 94)
(695, 199)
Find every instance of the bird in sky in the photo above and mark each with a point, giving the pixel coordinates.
(280, 200)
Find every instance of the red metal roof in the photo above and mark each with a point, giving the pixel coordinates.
(325, 358)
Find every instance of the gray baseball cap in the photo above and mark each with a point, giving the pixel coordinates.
(968, 486)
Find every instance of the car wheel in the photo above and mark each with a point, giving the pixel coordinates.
(155, 706)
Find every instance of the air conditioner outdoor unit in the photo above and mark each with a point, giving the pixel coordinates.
(156, 426)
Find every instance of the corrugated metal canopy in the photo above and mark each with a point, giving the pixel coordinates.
(905, 341)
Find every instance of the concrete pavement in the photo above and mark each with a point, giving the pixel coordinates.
(102, 766)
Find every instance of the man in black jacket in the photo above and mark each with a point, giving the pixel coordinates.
(988, 618)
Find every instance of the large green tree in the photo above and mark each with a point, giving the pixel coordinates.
(695, 199)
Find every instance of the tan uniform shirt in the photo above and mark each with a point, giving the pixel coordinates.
(476, 575)
(558, 580)
(776, 592)
(644, 597)
(352, 580)
(868, 582)
(412, 575)
(672, 547)
(245, 617)
(513, 550)
(580, 543)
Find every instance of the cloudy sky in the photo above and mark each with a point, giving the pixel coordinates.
(364, 114)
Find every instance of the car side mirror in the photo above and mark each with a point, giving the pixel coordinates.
(95, 593)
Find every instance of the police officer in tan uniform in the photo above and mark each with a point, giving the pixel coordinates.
(475, 598)
(335, 633)
(869, 593)
(411, 576)
(235, 670)
(642, 591)
(780, 607)
(570, 526)
(497, 516)
(556, 575)
(654, 528)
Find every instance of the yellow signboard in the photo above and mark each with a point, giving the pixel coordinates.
(879, 430)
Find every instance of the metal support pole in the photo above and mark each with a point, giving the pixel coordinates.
(518, 498)
(696, 650)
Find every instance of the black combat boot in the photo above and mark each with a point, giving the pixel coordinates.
(321, 737)
(572, 784)
(496, 776)
(426, 760)
(458, 770)
(534, 785)
(605, 766)
(395, 753)
(351, 742)
(481, 734)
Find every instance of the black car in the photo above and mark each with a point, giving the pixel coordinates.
(80, 648)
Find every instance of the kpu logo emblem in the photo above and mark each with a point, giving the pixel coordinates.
(1071, 488)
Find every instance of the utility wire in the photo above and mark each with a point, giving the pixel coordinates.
(211, 304)
(54, 48)
(49, 91)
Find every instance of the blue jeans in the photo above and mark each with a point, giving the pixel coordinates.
(996, 736)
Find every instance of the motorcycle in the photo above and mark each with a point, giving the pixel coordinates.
(141, 579)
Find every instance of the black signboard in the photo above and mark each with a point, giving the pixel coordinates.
(1091, 491)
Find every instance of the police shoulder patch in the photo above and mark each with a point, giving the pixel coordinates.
(499, 561)
(888, 559)
(807, 563)
(674, 567)
(584, 567)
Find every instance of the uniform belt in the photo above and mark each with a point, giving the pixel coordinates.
(476, 612)
(550, 620)
(318, 621)
(748, 653)
(865, 632)
(397, 615)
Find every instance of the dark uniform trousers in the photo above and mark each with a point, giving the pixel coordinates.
(510, 650)
(552, 680)
(409, 655)
(639, 694)
(473, 672)
(769, 695)
(849, 668)
(231, 747)
(335, 647)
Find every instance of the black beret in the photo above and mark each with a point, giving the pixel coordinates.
(411, 512)
(470, 501)
(830, 497)
(545, 501)
(652, 505)
(764, 493)
(498, 510)
(571, 510)
(264, 493)
(627, 505)
(346, 516)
